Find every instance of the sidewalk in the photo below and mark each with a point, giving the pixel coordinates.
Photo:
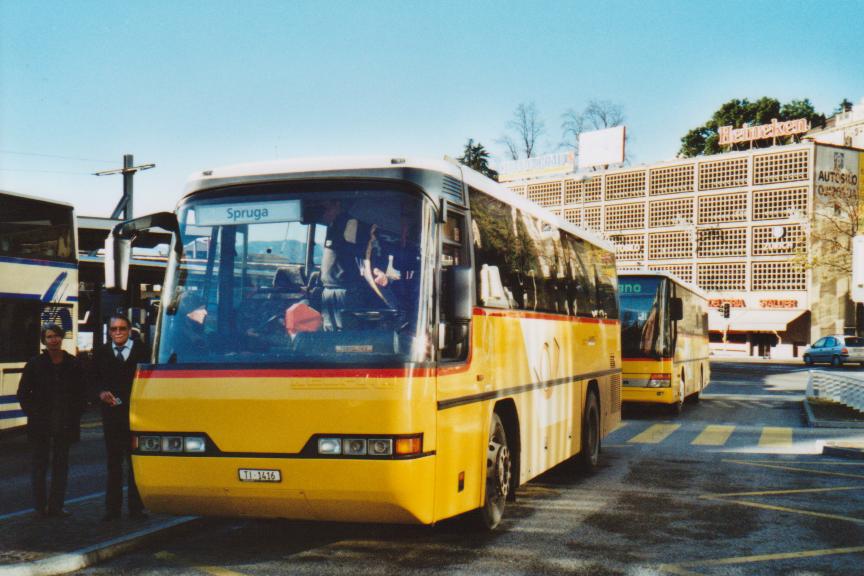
(757, 360)
(822, 414)
(30, 544)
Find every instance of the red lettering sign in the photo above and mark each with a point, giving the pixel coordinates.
(778, 303)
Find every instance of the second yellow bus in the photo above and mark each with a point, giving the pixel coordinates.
(664, 339)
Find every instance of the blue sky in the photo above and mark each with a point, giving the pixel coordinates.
(191, 85)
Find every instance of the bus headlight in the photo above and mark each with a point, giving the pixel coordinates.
(172, 443)
(354, 446)
(660, 381)
(375, 447)
(149, 443)
(380, 446)
(194, 444)
(329, 446)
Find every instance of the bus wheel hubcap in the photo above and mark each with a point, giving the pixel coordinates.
(500, 472)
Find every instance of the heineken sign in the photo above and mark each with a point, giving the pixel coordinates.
(730, 135)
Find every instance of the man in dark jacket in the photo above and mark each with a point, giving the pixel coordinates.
(114, 367)
(52, 395)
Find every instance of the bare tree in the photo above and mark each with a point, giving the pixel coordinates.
(831, 233)
(528, 126)
(597, 115)
(512, 149)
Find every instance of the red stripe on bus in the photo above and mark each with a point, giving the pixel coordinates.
(285, 373)
(541, 316)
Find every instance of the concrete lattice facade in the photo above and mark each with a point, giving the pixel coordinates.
(739, 225)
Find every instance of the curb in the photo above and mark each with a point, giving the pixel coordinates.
(795, 362)
(843, 451)
(814, 422)
(84, 557)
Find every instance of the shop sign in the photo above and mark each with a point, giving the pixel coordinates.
(732, 135)
(563, 162)
(733, 302)
(778, 303)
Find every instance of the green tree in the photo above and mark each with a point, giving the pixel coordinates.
(705, 139)
(844, 106)
(477, 157)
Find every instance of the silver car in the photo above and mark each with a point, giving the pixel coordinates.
(836, 350)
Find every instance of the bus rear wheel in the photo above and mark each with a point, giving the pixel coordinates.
(499, 469)
(589, 457)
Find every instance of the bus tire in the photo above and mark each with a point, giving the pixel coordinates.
(499, 470)
(698, 395)
(589, 457)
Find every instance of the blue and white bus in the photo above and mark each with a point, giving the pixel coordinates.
(38, 285)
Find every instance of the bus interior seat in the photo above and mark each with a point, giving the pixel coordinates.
(313, 289)
(289, 282)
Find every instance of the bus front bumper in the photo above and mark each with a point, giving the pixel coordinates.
(648, 395)
(348, 490)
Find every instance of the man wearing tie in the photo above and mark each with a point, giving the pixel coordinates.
(114, 367)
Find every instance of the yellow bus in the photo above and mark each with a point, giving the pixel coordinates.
(664, 339)
(467, 342)
(38, 285)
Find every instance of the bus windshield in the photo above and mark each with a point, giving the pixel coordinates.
(642, 312)
(315, 275)
(36, 229)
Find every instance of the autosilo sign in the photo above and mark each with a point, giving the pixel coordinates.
(837, 173)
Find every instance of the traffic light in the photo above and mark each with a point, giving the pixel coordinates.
(725, 309)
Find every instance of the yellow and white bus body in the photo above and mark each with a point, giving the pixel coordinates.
(38, 286)
(387, 420)
(664, 338)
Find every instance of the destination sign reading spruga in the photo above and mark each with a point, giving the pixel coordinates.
(247, 213)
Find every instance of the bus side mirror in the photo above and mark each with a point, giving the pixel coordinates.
(676, 308)
(117, 254)
(459, 300)
(118, 245)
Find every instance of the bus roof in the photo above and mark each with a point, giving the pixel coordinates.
(387, 167)
(36, 199)
(664, 274)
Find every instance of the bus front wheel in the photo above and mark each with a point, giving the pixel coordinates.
(499, 469)
(678, 406)
(589, 457)
(698, 395)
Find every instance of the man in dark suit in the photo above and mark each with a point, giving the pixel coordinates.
(114, 367)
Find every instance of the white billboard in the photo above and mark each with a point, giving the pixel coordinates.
(601, 147)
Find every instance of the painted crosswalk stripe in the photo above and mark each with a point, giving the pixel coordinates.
(654, 434)
(714, 435)
(775, 436)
